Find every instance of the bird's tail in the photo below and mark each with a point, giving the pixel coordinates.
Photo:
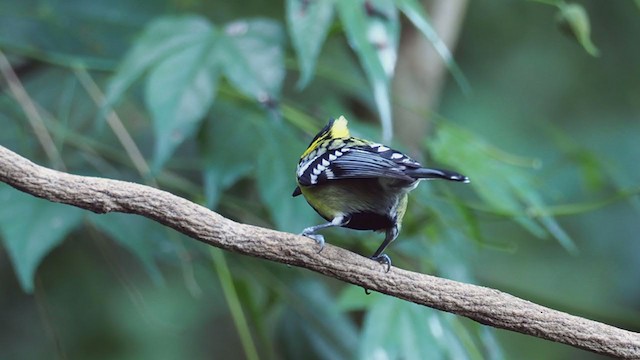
(425, 173)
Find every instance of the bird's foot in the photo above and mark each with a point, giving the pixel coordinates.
(317, 237)
(383, 259)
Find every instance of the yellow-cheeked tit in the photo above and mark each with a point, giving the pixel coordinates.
(359, 184)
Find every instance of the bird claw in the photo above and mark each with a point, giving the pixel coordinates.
(318, 239)
(383, 259)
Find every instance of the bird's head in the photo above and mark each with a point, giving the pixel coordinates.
(335, 129)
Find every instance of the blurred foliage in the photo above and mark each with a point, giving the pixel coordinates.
(217, 107)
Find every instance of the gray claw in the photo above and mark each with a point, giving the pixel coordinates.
(317, 237)
(383, 259)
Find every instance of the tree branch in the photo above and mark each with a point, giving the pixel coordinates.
(484, 305)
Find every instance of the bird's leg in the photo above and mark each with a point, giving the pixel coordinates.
(384, 259)
(391, 234)
(310, 232)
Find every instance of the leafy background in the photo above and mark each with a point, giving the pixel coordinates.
(215, 102)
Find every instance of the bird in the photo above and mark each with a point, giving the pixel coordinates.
(359, 184)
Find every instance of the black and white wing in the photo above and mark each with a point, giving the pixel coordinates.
(363, 161)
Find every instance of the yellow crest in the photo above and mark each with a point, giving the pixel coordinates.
(335, 129)
(339, 129)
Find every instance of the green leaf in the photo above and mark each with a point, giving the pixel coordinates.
(372, 28)
(395, 329)
(69, 32)
(31, 228)
(574, 19)
(549, 2)
(416, 14)
(459, 341)
(308, 23)
(499, 179)
(179, 92)
(137, 234)
(229, 152)
(250, 53)
(277, 161)
(221, 267)
(184, 56)
(313, 321)
(160, 39)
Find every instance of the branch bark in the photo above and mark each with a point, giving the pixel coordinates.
(484, 305)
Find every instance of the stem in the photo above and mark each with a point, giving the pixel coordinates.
(230, 294)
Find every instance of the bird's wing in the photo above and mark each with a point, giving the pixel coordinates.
(359, 162)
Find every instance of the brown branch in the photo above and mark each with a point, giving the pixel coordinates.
(481, 304)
